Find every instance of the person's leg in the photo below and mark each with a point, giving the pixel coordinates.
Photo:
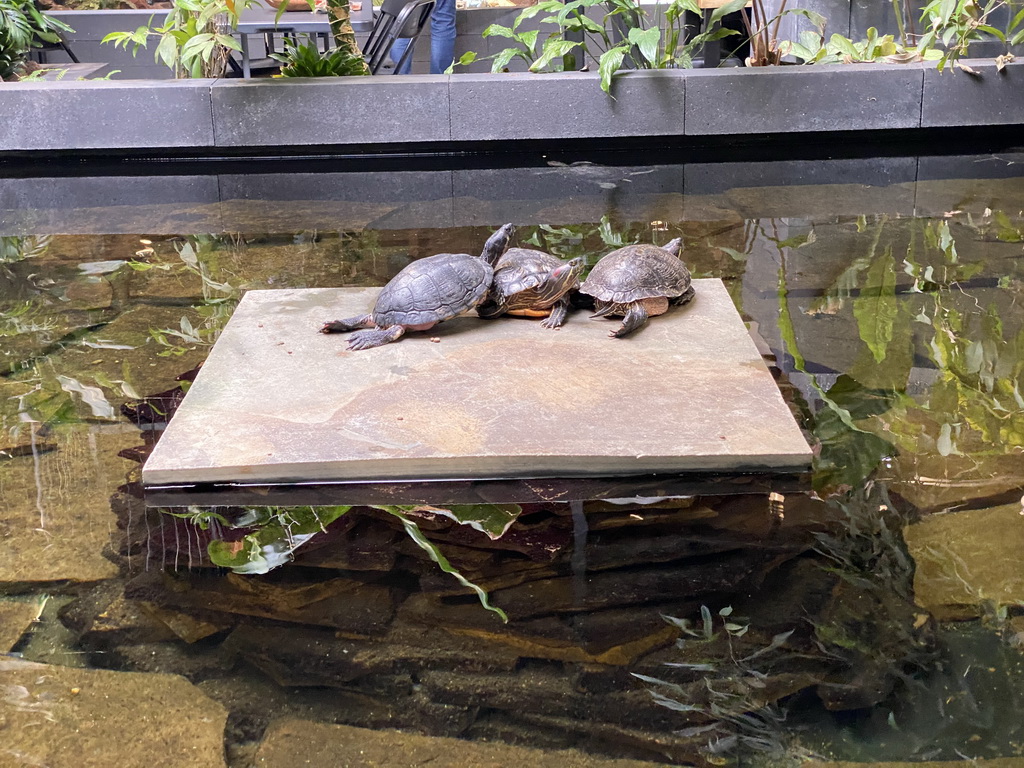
(396, 55)
(442, 36)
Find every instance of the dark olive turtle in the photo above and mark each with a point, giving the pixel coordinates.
(638, 281)
(425, 293)
(532, 283)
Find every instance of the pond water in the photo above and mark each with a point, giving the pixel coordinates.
(877, 616)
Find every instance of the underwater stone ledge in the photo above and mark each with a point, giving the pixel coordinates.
(374, 114)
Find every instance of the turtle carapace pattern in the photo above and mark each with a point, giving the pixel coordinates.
(425, 293)
(636, 282)
(531, 283)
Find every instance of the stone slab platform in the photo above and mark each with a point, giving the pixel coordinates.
(278, 402)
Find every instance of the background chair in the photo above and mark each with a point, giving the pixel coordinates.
(398, 20)
(39, 52)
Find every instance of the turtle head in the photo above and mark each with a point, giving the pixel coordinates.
(561, 280)
(674, 246)
(497, 244)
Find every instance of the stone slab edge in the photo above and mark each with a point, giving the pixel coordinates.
(373, 114)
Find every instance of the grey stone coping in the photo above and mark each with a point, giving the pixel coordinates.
(106, 114)
(375, 114)
(803, 99)
(990, 97)
(565, 105)
(321, 111)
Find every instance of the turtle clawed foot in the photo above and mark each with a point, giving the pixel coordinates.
(376, 337)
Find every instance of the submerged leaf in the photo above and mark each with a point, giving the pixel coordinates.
(435, 554)
(91, 396)
(492, 519)
(875, 308)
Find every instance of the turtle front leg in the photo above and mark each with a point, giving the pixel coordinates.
(636, 315)
(350, 324)
(377, 337)
(559, 311)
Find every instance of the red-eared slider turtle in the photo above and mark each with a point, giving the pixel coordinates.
(425, 293)
(532, 283)
(638, 281)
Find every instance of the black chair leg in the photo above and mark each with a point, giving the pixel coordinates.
(68, 52)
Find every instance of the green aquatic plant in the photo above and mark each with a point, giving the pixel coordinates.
(729, 698)
(276, 533)
(25, 317)
(270, 536)
(581, 241)
(16, 248)
(219, 298)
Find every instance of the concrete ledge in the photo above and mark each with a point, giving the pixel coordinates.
(373, 114)
(568, 105)
(106, 114)
(803, 99)
(321, 111)
(955, 98)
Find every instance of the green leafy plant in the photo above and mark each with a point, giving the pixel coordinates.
(814, 49)
(195, 39)
(23, 27)
(627, 32)
(956, 24)
(307, 61)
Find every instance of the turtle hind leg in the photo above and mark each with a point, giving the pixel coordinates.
(636, 315)
(349, 324)
(376, 337)
(559, 311)
(685, 298)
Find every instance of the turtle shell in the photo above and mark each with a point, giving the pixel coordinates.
(433, 289)
(637, 272)
(521, 269)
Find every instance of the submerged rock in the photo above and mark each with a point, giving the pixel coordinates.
(289, 743)
(60, 717)
(968, 561)
(16, 616)
(55, 515)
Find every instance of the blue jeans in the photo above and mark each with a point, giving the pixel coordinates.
(442, 40)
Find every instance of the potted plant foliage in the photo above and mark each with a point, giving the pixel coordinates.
(22, 28)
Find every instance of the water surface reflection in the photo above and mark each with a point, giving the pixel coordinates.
(876, 617)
